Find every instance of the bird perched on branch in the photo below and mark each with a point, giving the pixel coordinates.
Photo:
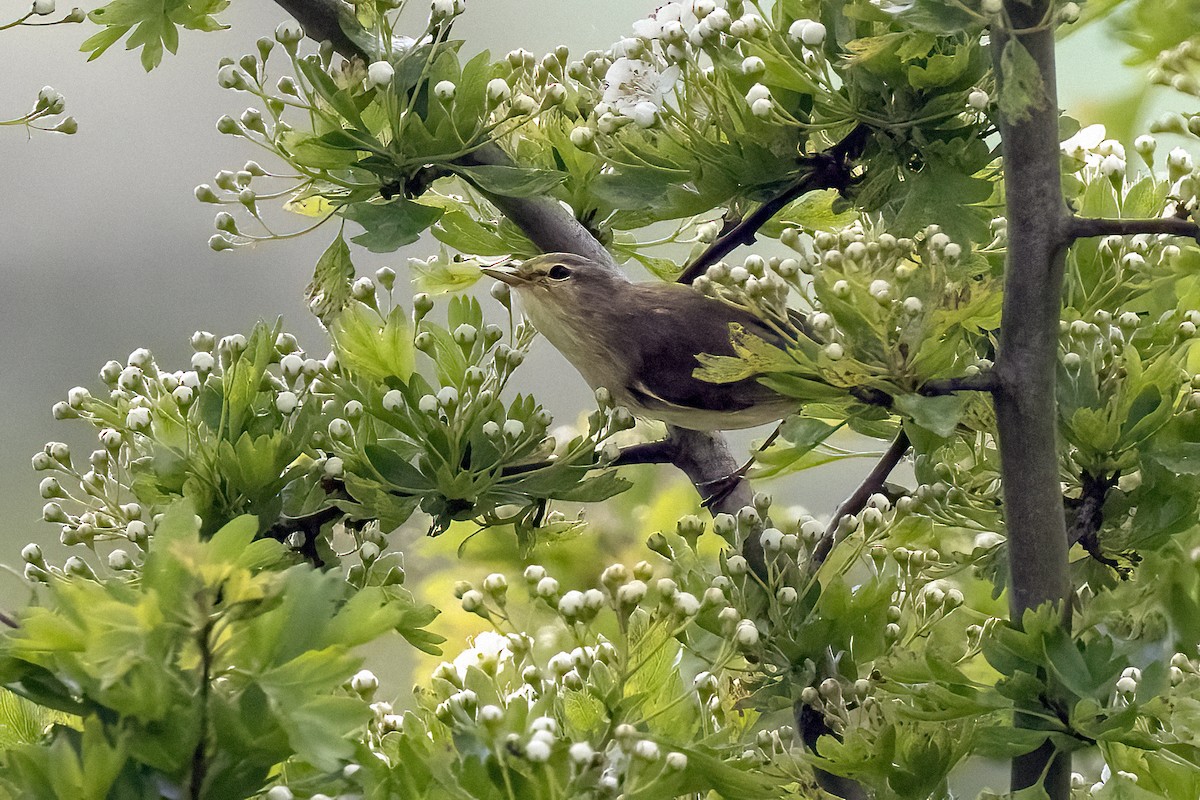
(641, 341)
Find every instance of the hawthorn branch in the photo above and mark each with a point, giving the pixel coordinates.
(1084, 227)
(828, 169)
(857, 500)
(705, 458)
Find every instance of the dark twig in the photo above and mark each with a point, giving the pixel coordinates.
(857, 501)
(828, 169)
(1082, 227)
(812, 726)
(660, 452)
(980, 382)
(200, 754)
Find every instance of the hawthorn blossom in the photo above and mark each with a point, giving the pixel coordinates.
(633, 87)
(665, 22)
(486, 651)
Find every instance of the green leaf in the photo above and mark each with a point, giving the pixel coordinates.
(395, 469)
(594, 489)
(152, 25)
(1182, 457)
(511, 181)
(440, 274)
(373, 346)
(338, 99)
(938, 415)
(1020, 89)
(329, 290)
(942, 192)
(814, 211)
(390, 226)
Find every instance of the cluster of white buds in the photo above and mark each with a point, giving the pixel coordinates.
(759, 285)
(441, 12)
(141, 397)
(807, 32)
(1176, 67)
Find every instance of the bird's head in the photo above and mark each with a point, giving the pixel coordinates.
(568, 299)
(564, 280)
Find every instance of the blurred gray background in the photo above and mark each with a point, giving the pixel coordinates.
(102, 246)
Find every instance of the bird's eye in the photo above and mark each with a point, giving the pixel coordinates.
(559, 273)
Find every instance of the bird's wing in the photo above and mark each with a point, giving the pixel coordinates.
(666, 380)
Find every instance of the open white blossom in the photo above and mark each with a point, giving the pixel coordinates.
(663, 23)
(487, 650)
(632, 83)
(1084, 145)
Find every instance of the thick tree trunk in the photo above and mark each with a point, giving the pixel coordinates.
(1026, 416)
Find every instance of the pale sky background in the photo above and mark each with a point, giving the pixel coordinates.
(102, 246)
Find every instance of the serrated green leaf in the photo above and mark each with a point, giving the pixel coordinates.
(441, 275)
(373, 346)
(395, 469)
(329, 290)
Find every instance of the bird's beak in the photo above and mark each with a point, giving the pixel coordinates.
(504, 273)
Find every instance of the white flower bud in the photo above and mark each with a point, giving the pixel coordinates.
(631, 593)
(445, 91)
(644, 114)
(978, 100)
(286, 402)
(581, 753)
(746, 634)
(498, 91)
(364, 682)
(537, 751)
(138, 419)
(380, 73)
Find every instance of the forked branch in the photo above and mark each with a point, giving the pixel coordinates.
(828, 169)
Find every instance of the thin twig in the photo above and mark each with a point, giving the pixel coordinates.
(829, 169)
(200, 754)
(1083, 227)
(980, 382)
(857, 501)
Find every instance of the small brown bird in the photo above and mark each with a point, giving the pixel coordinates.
(641, 340)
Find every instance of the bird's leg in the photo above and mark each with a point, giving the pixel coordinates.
(724, 485)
